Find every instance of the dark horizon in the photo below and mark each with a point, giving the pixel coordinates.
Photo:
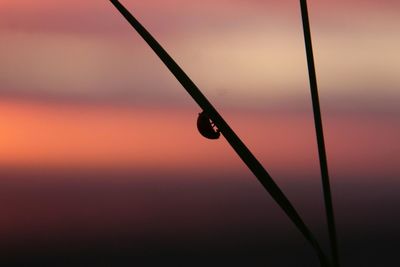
(109, 218)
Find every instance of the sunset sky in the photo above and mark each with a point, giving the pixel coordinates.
(79, 89)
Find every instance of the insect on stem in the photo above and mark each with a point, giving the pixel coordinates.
(238, 146)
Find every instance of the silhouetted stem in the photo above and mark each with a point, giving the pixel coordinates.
(320, 135)
(244, 153)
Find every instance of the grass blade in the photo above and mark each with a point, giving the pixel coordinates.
(320, 134)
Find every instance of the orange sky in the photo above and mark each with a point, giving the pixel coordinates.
(49, 135)
(244, 55)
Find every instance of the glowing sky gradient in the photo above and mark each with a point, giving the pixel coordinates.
(243, 54)
(79, 90)
(140, 138)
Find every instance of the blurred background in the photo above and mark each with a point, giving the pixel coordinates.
(101, 163)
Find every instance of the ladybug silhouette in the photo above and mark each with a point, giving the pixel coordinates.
(206, 127)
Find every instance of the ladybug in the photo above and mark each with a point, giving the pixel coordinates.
(206, 127)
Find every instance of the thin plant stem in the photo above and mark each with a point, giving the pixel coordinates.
(320, 134)
(240, 148)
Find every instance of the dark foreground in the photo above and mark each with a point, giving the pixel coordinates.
(88, 218)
